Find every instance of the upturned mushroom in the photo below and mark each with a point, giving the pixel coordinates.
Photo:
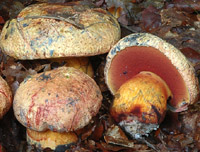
(141, 97)
(55, 103)
(5, 97)
(44, 30)
(146, 52)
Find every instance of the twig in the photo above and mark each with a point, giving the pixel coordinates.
(77, 25)
(143, 140)
(128, 28)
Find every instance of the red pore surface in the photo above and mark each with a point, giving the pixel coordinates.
(132, 60)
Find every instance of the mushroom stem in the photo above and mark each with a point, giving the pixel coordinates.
(50, 139)
(140, 104)
(81, 63)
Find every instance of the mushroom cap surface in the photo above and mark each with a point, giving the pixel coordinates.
(59, 30)
(5, 97)
(146, 52)
(63, 99)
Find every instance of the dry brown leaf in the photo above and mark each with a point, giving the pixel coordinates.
(174, 18)
(151, 20)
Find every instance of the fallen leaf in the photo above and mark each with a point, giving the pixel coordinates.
(1, 20)
(151, 20)
(186, 5)
(193, 56)
(174, 18)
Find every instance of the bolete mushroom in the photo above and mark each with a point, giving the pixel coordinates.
(146, 52)
(61, 100)
(5, 97)
(44, 30)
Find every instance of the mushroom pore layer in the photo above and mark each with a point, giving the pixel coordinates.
(134, 59)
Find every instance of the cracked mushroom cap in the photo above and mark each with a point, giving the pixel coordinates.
(146, 52)
(5, 97)
(59, 30)
(64, 99)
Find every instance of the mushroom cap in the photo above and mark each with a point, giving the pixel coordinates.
(63, 99)
(5, 97)
(59, 30)
(146, 52)
(53, 140)
(140, 103)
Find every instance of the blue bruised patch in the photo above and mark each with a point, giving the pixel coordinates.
(51, 52)
(25, 25)
(50, 40)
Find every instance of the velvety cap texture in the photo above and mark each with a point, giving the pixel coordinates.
(59, 30)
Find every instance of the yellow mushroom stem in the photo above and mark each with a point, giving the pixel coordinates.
(81, 63)
(50, 139)
(140, 103)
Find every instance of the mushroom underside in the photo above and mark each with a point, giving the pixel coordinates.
(132, 60)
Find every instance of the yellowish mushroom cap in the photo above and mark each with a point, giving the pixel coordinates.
(59, 30)
(64, 99)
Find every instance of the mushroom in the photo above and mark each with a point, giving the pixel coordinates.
(61, 100)
(60, 32)
(45, 30)
(5, 97)
(146, 52)
(145, 73)
(140, 104)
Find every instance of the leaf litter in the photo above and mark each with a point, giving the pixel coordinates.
(176, 21)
